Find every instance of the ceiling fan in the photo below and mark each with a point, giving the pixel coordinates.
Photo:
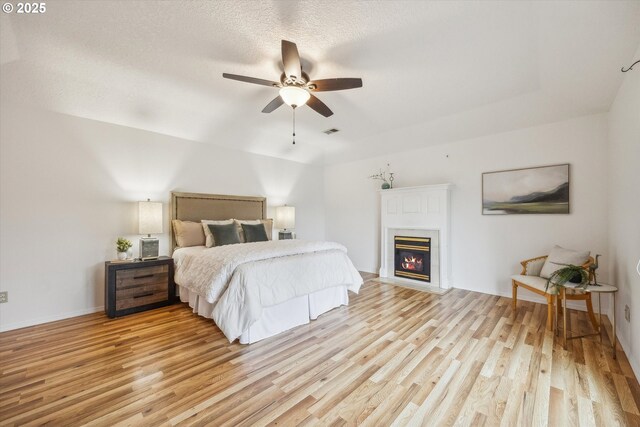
(295, 85)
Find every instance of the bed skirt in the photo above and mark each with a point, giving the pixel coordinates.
(278, 318)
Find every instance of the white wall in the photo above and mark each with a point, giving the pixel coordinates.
(486, 250)
(624, 216)
(68, 187)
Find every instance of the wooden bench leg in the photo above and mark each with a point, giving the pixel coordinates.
(549, 312)
(514, 293)
(592, 315)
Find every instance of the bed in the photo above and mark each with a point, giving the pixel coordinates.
(256, 290)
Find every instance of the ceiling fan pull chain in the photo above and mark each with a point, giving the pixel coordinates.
(294, 125)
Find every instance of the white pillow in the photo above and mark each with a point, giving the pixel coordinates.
(560, 256)
(209, 237)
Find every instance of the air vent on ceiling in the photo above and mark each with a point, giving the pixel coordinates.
(330, 131)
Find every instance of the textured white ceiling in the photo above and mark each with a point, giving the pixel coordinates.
(433, 72)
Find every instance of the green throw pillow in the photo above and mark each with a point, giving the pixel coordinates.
(224, 234)
(254, 233)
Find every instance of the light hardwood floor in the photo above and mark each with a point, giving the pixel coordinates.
(395, 355)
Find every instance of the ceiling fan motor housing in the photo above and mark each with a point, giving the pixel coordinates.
(294, 81)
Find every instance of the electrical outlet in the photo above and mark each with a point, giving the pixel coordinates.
(4, 296)
(627, 313)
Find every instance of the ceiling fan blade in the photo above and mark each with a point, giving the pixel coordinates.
(319, 106)
(291, 60)
(327, 85)
(250, 80)
(277, 101)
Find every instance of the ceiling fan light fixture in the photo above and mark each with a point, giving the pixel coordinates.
(294, 96)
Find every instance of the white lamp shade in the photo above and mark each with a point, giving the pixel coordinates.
(149, 217)
(285, 217)
(293, 95)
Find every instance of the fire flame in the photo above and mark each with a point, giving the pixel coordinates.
(412, 263)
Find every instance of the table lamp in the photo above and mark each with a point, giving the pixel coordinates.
(285, 221)
(149, 222)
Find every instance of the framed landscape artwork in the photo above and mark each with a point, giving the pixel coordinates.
(539, 190)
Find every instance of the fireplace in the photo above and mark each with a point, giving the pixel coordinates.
(420, 213)
(412, 257)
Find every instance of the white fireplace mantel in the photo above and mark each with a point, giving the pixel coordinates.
(417, 210)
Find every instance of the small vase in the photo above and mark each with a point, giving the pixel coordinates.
(122, 256)
(386, 186)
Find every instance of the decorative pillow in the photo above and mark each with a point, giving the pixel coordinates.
(224, 234)
(209, 237)
(188, 233)
(254, 232)
(268, 225)
(560, 256)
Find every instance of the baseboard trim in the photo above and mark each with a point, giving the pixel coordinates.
(627, 351)
(48, 319)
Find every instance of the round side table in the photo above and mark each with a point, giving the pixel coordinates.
(599, 289)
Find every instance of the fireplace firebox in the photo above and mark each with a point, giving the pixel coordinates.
(413, 257)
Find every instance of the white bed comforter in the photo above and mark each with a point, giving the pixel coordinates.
(242, 279)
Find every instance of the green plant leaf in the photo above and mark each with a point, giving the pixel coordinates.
(561, 276)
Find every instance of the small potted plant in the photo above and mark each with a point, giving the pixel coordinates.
(382, 176)
(122, 246)
(569, 273)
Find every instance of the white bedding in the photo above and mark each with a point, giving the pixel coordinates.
(244, 278)
(277, 318)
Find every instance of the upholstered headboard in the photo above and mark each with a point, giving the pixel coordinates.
(198, 206)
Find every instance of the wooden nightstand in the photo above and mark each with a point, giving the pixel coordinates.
(138, 286)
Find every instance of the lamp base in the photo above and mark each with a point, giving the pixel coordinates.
(285, 235)
(149, 248)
